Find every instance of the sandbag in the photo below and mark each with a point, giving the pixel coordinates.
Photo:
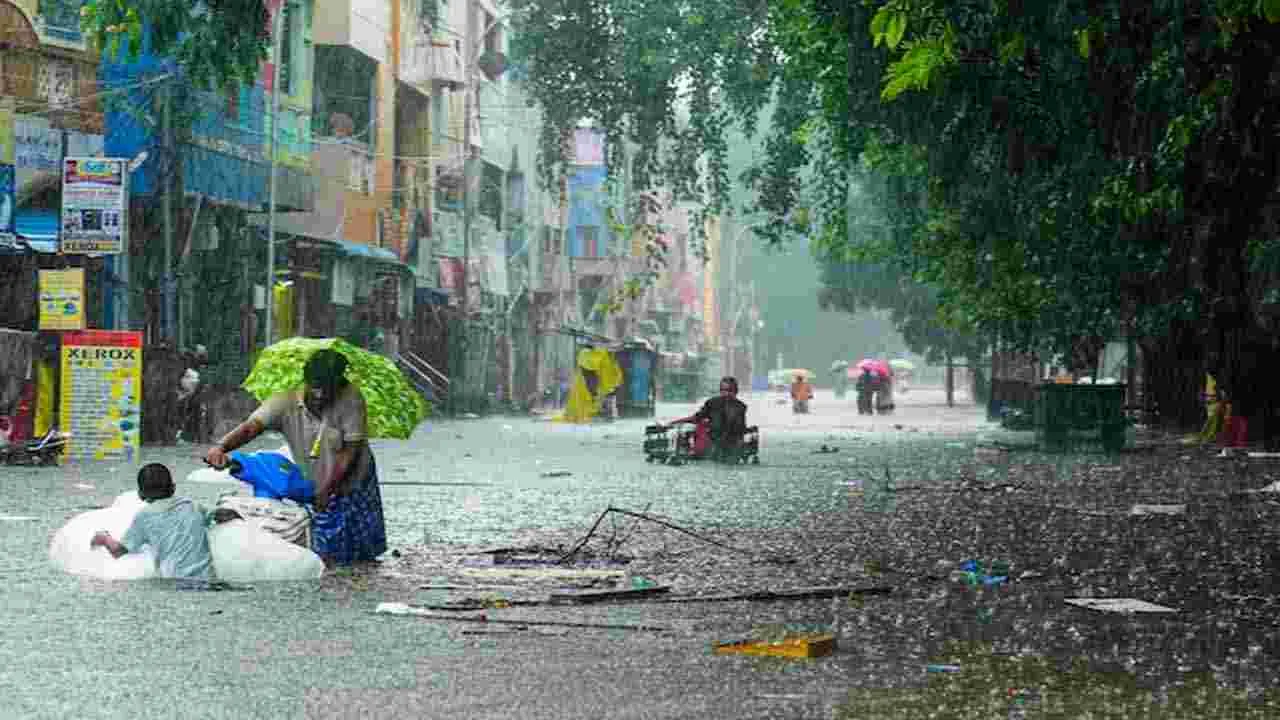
(244, 552)
(70, 552)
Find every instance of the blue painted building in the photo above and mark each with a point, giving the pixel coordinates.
(588, 226)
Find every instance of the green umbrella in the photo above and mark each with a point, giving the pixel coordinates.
(395, 406)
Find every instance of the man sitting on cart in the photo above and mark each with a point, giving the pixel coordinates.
(721, 422)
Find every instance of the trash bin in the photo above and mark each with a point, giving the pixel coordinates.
(637, 396)
(1080, 417)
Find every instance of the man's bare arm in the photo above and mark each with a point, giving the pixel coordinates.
(244, 433)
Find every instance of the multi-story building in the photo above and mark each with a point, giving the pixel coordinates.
(202, 181)
(49, 107)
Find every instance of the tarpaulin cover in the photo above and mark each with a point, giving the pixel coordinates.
(582, 404)
(272, 475)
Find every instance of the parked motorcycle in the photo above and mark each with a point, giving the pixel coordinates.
(42, 451)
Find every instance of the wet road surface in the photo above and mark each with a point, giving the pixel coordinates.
(80, 648)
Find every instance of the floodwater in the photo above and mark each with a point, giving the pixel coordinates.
(78, 648)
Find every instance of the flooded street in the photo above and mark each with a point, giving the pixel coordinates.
(82, 648)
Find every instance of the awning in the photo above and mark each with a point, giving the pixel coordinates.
(368, 252)
(37, 225)
(430, 296)
(37, 229)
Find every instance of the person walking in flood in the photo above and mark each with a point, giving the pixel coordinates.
(326, 425)
(801, 394)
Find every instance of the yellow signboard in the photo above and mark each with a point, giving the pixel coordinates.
(7, 142)
(101, 402)
(62, 299)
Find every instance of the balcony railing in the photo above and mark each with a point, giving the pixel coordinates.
(60, 19)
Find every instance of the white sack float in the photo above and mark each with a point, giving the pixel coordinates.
(70, 551)
(242, 551)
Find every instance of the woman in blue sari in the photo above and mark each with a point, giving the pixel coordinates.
(326, 425)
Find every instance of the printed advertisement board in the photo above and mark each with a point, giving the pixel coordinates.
(8, 177)
(101, 403)
(94, 204)
(62, 299)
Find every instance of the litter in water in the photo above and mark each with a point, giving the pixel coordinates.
(805, 645)
(1119, 605)
(1158, 510)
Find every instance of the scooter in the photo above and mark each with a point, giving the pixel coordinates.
(42, 451)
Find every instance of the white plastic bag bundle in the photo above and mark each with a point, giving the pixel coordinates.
(70, 551)
(244, 552)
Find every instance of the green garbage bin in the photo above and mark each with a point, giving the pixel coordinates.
(1081, 417)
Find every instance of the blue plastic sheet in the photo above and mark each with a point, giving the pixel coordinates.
(272, 475)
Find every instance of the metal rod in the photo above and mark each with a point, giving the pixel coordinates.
(168, 321)
(271, 200)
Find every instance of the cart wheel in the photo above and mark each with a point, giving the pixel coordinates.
(648, 458)
(755, 459)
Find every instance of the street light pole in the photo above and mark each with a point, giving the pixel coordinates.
(271, 199)
(467, 51)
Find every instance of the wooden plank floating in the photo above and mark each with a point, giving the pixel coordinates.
(813, 593)
(591, 596)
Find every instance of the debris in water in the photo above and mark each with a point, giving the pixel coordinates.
(592, 596)
(803, 645)
(1158, 509)
(1119, 605)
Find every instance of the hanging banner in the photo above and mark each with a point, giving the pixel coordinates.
(62, 299)
(101, 404)
(94, 204)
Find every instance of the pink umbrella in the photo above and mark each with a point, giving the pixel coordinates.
(878, 367)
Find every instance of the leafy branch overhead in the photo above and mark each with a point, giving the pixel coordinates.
(216, 42)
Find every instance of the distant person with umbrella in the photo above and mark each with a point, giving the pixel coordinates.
(866, 386)
(840, 377)
(801, 394)
(875, 387)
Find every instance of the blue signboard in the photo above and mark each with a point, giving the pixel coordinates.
(7, 188)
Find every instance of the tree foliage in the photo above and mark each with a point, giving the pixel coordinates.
(216, 42)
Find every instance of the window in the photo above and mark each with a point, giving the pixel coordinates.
(57, 82)
(589, 241)
(287, 35)
(550, 241)
(439, 116)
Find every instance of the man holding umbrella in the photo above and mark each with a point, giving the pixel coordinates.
(326, 425)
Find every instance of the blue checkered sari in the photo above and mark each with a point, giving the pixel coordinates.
(352, 529)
